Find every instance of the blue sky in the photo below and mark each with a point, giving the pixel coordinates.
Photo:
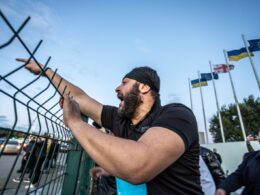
(95, 43)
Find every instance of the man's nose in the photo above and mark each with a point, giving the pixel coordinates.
(118, 88)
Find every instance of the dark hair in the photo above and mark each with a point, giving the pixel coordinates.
(148, 76)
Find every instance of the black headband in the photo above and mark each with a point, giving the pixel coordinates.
(142, 77)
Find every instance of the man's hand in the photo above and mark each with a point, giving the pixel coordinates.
(96, 172)
(71, 110)
(32, 66)
(220, 192)
(61, 102)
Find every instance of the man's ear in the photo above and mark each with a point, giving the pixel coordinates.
(144, 88)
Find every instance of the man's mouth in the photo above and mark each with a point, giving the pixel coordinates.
(121, 98)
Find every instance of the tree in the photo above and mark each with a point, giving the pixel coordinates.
(250, 111)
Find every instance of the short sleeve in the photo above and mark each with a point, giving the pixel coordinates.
(179, 119)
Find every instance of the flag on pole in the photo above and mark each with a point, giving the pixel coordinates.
(223, 68)
(208, 76)
(236, 55)
(198, 82)
(254, 45)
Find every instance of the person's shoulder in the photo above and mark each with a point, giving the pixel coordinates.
(250, 155)
(178, 110)
(176, 106)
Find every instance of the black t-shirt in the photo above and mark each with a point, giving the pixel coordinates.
(182, 176)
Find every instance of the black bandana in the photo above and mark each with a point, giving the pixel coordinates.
(142, 77)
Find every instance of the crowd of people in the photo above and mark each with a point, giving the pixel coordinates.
(39, 156)
(150, 145)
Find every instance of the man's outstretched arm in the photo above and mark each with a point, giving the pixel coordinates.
(88, 106)
(134, 161)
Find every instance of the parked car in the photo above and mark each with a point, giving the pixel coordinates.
(11, 147)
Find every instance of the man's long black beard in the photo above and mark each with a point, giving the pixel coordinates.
(131, 102)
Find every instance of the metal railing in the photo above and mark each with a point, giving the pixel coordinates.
(47, 150)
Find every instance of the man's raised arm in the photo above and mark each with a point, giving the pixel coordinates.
(88, 106)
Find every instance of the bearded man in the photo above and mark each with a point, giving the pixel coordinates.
(152, 144)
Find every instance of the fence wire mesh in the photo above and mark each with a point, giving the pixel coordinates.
(31, 125)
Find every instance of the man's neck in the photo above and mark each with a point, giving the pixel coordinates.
(142, 111)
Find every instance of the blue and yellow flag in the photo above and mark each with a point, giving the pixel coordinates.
(254, 45)
(236, 55)
(197, 83)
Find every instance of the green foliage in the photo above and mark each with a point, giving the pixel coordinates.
(250, 111)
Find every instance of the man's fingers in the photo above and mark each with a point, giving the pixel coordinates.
(71, 110)
(68, 97)
(24, 60)
(98, 174)
(61, 102)
(31, 65)
(94, 173)
(91, 173)
(21, 60)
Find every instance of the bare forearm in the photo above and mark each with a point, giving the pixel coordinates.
(88, 106)
(134, 161)
(60, 83)
(118, 156)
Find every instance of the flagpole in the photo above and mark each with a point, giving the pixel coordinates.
(217, 104)
(203, 110)
(251, 61)
(191, 105)
(235, 97)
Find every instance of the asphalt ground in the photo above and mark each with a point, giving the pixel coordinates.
(6, 163)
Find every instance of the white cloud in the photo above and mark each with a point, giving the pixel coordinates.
(43, 18)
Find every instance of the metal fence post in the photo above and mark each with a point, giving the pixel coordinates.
(73, 165)
(85, 181)
(77, 179)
